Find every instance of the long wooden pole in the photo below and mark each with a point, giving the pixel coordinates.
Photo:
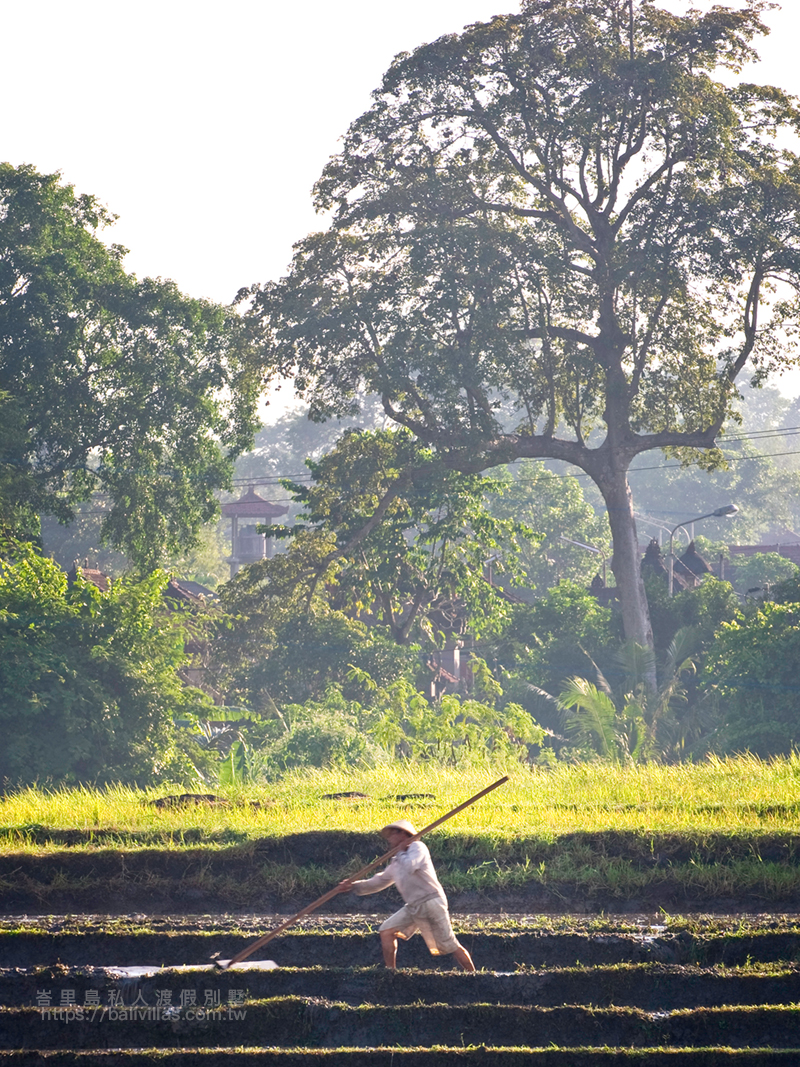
(354, 878)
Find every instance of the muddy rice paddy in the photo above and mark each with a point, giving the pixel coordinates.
(550, 989)
(671, 949)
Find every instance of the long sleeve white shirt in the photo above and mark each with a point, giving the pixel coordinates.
(411, 871)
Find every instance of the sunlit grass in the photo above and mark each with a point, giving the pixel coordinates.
(743, 794)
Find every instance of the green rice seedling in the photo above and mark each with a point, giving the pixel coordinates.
(741, 795)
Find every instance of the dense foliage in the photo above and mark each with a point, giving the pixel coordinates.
(89, 681)
(572, 541)
(753, 666)
(419, 574)
(396, 721)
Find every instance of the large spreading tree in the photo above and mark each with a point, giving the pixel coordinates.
(109, 382)
(563, 234)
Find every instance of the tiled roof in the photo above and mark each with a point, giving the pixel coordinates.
(89, 574)
(253, 506)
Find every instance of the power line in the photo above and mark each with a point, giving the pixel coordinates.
(581, 474)
(728, 459)
(760, 435)
(754, 435)
(270, 479)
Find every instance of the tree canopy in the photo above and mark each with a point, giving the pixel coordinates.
(568, 527)
(385, 535)
(108, 382)
(555, 235)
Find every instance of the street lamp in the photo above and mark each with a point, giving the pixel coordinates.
(589, 548)
(726, 509)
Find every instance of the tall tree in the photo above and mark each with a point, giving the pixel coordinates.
(108, 382)
(560, 213)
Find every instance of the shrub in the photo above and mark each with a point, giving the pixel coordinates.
(754, 667)
(89, 680)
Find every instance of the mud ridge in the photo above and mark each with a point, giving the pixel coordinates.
(560, 991)
(359, 948)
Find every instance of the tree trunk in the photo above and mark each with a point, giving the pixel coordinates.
(626, 562)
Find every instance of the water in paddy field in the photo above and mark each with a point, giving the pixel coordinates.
(143, 972)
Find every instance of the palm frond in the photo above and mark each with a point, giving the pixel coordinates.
(591, 715)
(542, 695)
(681, 648)
(637, 662)
(602, 683)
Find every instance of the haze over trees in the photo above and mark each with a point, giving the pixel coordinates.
(570, 212)
(562, 244)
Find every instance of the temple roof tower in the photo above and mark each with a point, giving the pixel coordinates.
(694, 562)
(247, 545)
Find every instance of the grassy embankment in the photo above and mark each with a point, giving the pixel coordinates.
(679, 835)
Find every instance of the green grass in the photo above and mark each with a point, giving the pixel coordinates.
(739, 796)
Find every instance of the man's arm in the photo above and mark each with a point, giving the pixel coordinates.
(381, 880)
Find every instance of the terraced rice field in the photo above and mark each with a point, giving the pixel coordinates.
(681, 964)
(555, 990)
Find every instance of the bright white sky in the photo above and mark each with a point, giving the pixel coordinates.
(204, 125)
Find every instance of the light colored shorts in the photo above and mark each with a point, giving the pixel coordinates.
(429, 918)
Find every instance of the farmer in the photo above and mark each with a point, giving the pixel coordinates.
(425, 909)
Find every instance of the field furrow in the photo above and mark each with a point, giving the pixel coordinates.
(568, 991)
